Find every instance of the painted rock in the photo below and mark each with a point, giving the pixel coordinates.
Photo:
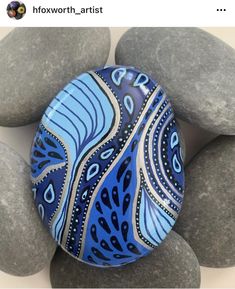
(107, 171)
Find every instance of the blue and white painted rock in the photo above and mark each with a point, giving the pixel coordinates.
(107, 171)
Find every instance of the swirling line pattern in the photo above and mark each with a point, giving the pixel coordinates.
(107, 171)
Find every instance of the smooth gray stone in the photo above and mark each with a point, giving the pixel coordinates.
(36, 63)
(172, 264)
(196, 69)
(207, 219)
(25, 245)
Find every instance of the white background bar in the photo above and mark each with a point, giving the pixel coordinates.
(127, 13)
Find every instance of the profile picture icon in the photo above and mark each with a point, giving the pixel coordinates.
(16, 10)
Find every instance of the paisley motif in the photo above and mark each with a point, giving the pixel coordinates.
(106, 166)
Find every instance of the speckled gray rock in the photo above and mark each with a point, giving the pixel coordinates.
(207, 220)
(173, 264)
(35, 63)
(196, 69)
(25, 245)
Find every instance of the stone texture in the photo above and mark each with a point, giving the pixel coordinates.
(35, 63)
(196, 69)
(25, 245)
(207, 220)
(173, 264)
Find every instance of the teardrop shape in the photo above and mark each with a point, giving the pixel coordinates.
(50, 142)
(105, 198)
(90, 259)
(94, 233)
(124, 229)
(38, 154)
(49, 194)
(55, 155)
(104, 225)
(174, 139)
(141, 80)
(92, 171)
(176, 164)
(39, 142)
(126, 203)
(114, 218)
(120, 256)
(129, 103)
(131, 247)
(134, 144)
(98, 207)
(41, 211)
(123, 167)
(115, 196)
(98, 254)
(118, 74)
(116, 243)
(127, 180)
(105, 245)
(106, 154)
(84, 194)
(43, 163)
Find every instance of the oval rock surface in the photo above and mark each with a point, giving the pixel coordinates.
(196, 69)
(35, 63)
(107, 166)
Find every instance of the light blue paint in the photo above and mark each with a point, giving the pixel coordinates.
(174, 139)
(68, 131)
(106, 154)
(141, 80)
(49, 190)
(176, 164)
(129, 103)
(118, 74)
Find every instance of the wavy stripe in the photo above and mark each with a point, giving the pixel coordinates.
(74, 114)
(46, 171)
(160, 161)
(68, 133)
(141, 163)
(145, 223)
(154, 231)
(101, 106)
(113, 132)
(148, 104)
(69, 120)
(92, 104)
(83, 106)
(150, 149)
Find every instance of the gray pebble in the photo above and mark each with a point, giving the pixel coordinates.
(207, 219)
(25, 245)
(35, 63)
(196, 69)
(172, 264)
